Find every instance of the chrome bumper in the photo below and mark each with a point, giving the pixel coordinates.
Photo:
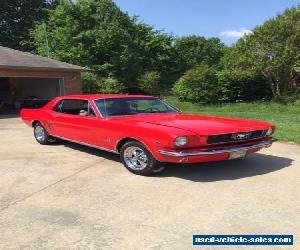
(216, 151)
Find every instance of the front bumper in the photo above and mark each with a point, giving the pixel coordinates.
(192, 156)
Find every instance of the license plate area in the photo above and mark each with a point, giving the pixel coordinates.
(237, 154)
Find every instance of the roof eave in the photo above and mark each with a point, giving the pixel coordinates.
(82, 69)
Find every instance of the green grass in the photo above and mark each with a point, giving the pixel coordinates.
(285, 117)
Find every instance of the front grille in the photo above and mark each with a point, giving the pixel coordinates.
(236, 137)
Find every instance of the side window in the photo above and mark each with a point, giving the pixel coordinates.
(74, 107)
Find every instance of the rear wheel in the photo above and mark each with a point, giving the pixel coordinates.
(138, 160)
(41, 135)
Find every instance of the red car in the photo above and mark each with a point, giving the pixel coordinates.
(145, 130)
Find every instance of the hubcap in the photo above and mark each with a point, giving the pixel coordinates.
(39, 133)
(135, 158)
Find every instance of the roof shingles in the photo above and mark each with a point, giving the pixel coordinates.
(10, 58)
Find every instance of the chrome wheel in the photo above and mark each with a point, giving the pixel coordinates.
(40, 133)
(135, 158)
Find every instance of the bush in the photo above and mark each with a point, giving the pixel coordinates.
(289, 97)
(149, 83)
(239, 85)
(112, 86)
(198, 85)
(90, 83)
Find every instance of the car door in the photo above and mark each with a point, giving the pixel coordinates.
(73, 119)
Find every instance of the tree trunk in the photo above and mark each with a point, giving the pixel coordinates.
(277, 84)
(272, 88)
(272, 83)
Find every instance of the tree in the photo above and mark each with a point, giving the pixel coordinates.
(17, 18)
(87, 32)
(272, 50)
(194, 50)
(97, 34)
(237, 81)
(156, 53)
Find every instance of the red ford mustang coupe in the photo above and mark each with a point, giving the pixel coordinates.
(146, 131)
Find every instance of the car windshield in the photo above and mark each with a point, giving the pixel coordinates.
(132, 106)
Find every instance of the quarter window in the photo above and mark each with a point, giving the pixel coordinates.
(74, 107)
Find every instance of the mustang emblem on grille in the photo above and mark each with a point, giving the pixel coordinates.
(240, 136)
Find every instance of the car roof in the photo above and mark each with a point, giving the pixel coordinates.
(102, 96)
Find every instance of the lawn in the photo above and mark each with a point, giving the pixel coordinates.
(285, 117)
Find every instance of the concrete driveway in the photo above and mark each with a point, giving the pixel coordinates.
(67, 196)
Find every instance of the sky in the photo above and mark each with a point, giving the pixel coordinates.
(226, 19)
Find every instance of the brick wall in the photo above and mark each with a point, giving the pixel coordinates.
(71, 79)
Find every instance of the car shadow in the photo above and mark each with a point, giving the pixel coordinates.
(8, 116)
(93, 151)
(252, 165)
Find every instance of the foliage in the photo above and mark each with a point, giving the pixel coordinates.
(289, 97)
(194, 50)
(272, 50)
(86, 32)
(97, 34)
(118, 45)
(197, 85)
(156, 53)
(112, 86)
(239, 85)
(90, 83)
(120, 49)
(17, 17)
(149, 83)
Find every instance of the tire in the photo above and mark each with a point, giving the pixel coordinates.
(138, 160)
(41, 135)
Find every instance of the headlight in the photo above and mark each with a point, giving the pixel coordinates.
(181, 141)
(269, 132)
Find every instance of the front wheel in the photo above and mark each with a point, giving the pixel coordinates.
(41, 135)
(138, 160)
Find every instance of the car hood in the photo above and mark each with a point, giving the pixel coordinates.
(202, 124)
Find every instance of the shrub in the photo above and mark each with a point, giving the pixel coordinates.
(90, 83)
(236, 85)
(149, 83)
(197, 85)
(289, 97)
(112, 86)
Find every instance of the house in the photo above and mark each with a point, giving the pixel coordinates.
(27, 76)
